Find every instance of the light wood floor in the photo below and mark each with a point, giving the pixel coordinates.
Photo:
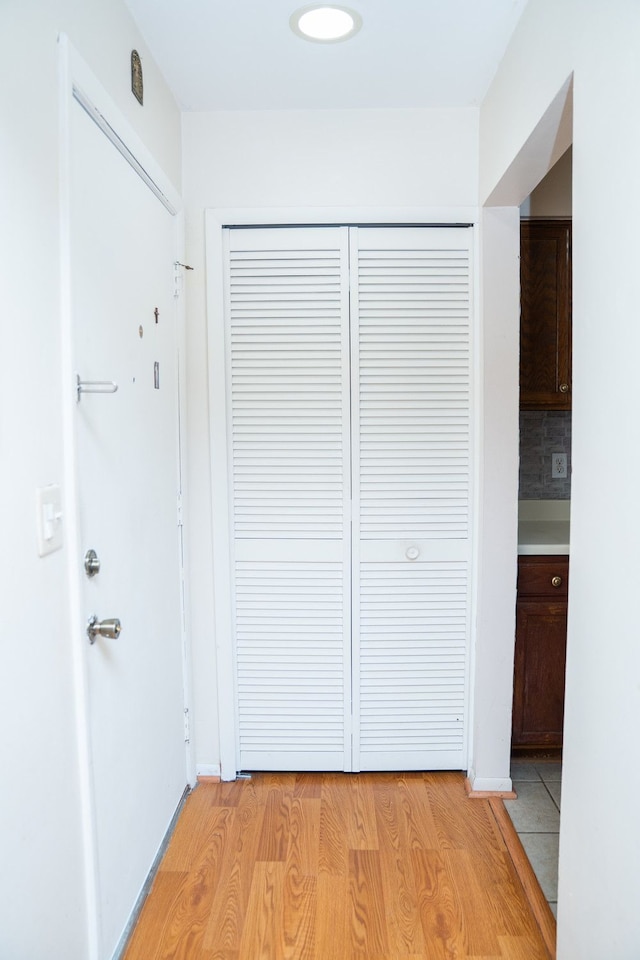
(337, 867)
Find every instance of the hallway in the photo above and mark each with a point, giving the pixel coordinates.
(385, 866)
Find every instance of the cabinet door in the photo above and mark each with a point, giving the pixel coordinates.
(545, 322)
(538, 695)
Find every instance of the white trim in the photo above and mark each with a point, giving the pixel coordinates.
(82, 85)
(215, 220)
(73, 552)
(340, 216)
(183, 486)
(74, 75)
(100, 120)
(474, 450)
(208, 770)
(490, 784)
(220, 533)
(477, 446)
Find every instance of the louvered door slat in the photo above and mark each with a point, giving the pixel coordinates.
(289, 398)
(411, 463)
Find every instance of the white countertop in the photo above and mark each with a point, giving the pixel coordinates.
(543, 527)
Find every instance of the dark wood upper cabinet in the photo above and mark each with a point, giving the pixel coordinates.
(545, 319)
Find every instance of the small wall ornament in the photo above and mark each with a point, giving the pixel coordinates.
(137, 88)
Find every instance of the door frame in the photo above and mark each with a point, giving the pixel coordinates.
(79, 86)
(216, 219)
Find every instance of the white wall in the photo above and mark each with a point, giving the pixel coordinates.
(368, 158)
(497, 499)
(600, 830)
(42, 894)
(552, 196)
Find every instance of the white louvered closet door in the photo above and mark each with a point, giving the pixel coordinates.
(410, 319)
(349, 376)
(288, 363)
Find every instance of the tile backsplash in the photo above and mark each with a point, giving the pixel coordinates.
(543, 433)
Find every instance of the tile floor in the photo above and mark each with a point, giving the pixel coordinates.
(536, 817)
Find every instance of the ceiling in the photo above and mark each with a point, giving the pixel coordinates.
(242, 54)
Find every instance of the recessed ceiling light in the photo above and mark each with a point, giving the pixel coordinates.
(325, 24)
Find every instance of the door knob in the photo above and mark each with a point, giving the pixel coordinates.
(412, 553)
(103, 628)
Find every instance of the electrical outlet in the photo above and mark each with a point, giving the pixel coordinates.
(558, 466)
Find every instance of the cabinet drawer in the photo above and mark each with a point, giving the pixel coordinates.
(543, 577)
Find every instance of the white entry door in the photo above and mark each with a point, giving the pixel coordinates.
(349, 427)
(123, 247)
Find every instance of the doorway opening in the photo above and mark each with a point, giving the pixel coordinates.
(543, 520)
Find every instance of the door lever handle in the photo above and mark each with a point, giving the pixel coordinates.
(103, 628)
(95, 386)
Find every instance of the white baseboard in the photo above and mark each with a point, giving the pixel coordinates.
(490, 784)
(207, 769)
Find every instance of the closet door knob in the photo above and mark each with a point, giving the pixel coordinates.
(412, 553)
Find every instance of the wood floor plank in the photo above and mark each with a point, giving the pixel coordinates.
(332, 916)
(226, 793)
(229, 907)
(440, 911)
(190, 914)
(299, 916)
(362, 830)
(274, 838)
(482, 925)
(503, 888)
(403, 917)
(333, 854)
(338, 867)
(447, 797)
(262, 936)
(186, 918)
(147, 940)
(368, 923)
(303, 851)
(522, 948)
(417, 814)
(308, 786)
(526, 878)
(194, 831)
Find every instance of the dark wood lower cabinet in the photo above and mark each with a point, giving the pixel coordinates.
(541, 639)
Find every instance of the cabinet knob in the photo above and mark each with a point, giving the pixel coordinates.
(412, 553)
(564, 388)
(556, 581)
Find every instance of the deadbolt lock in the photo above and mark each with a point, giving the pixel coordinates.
(91, 563)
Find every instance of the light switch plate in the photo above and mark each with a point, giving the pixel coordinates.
(49, 518)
